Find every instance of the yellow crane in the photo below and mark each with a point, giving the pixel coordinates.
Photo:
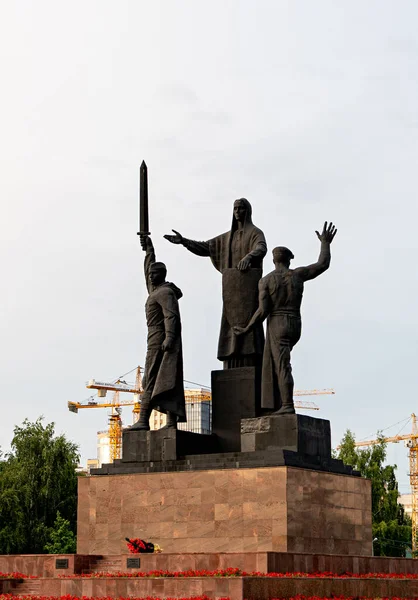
(305, 404)
(411, 441)
(116, 404)
(115, 429)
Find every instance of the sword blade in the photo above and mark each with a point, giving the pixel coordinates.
(143, 199)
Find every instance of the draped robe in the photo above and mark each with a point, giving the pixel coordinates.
(225, 252)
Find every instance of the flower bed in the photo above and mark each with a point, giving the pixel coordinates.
(231, 572)
(16, 575)
(69, 597)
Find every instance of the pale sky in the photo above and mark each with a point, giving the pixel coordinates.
(308, 109)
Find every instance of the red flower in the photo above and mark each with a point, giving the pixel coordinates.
(232, 572)
(16, 575)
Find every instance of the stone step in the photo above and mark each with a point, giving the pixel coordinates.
(31, 587)
(236, 588)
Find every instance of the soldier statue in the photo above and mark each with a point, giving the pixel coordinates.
(163, 378)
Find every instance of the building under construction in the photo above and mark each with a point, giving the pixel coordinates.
(198, 413)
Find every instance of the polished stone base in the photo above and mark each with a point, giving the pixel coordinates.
(272, 509)
(235, 396)
(164, 445)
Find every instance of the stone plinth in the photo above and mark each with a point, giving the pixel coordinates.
(235, 396)
(272, 509)
(164, 445)
(268, 441)
(305, 435)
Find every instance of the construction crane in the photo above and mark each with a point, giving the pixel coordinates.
(115, 429)
(411, 442)
(305, 404)
(115, 421)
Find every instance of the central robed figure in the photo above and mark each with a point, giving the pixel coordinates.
(237, 254)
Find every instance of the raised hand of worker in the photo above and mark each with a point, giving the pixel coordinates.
(328, 233)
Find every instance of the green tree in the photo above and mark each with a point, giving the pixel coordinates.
(62, 539)
(38, 479)
(392, 532)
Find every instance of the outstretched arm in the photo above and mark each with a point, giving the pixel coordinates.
(199, 248)
(262, 311)
(312, 271)
(147, 245)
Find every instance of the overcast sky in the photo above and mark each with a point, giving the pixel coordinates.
(308, 109)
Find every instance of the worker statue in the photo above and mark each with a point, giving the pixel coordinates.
(163, 377)
(238, 254)
(280, 298)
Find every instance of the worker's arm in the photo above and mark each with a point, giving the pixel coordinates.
(149, 260)
(312, 271)
(262, 311)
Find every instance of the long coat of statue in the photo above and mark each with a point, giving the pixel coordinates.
(163, 379)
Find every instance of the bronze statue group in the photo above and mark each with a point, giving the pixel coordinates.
(248, 299)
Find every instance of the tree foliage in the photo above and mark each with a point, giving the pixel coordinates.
(38, 480)
(62, 539)
(392, 533)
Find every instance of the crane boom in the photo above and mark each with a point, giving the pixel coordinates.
(75, 406)
(117, 387)
(327, 392)
(305, 405)
(395, 439)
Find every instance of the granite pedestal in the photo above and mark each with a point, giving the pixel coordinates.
(282, 493)
(278, 509)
